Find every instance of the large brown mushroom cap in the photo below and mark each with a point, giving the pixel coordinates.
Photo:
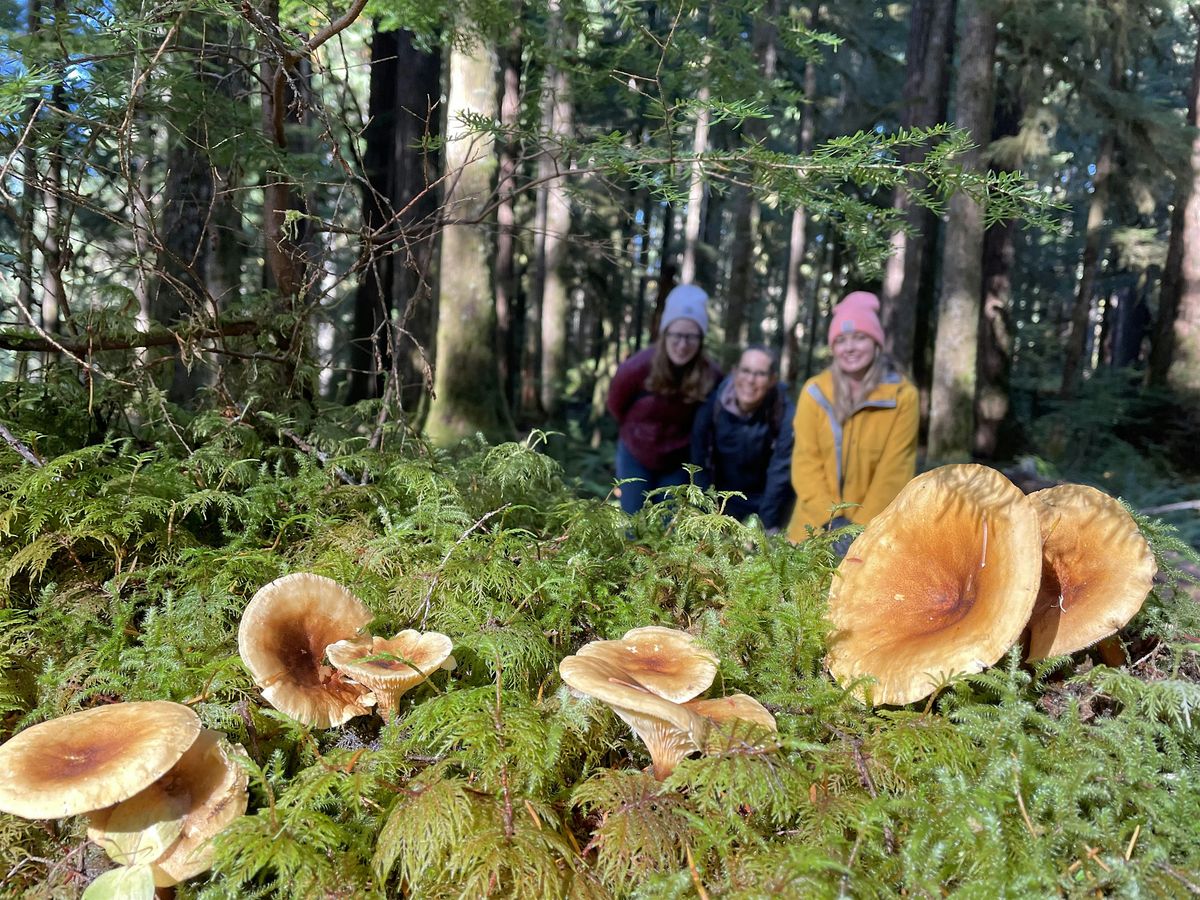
(199, 796)
(282, 638)
(92, 759)
(1097, 569)
(940, 583)
(663, 661)
(390, 668)
(669, 730)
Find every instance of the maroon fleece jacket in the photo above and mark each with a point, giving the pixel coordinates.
(657, 428)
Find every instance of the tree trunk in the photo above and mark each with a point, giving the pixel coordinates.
(1093, 248)
(226, 250)
(559, 116)
(467, 392)
(995, 339)
(187, 206)
(507, 348)
(793, 298)
(418, 116)
(373, 300)
(995, 322)
(740, 292)
(1175, 351)
(953, 394)
(695, 206)
(30, 192)
(394, 319)
(930, 42)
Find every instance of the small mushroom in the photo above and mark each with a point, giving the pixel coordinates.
(390, 668)
(282, 637)
(199, 796)
(92, 759)
(741, 707)
(941, 582)
(1097, 569)
(661, 660)
(669, 730)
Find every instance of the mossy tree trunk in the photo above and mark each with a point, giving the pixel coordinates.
(952, 399)
(467, 391)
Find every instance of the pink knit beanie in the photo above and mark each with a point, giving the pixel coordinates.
(858, 311)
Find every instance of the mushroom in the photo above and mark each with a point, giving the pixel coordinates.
(92, 759)
(195, 800)
(390, 668)
(669, 730)
(282, 637)
(941, 582)
(1097, 569)
(661, 660)
(741, 707)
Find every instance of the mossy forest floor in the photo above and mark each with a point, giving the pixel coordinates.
(126, 565)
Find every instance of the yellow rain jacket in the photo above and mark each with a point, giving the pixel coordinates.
(865, 461)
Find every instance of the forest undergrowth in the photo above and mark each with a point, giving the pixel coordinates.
(128, 552)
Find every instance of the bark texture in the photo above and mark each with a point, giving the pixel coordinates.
(467, 394)
(952, 397)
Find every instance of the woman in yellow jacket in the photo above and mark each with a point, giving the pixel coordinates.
(856, 426)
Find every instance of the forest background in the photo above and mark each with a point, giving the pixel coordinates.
(465, 216)
(282, 283)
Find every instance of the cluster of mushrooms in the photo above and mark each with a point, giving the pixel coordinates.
(297, 622)
(651, 678)
(942, 582)
(155, 785)
(962, 565)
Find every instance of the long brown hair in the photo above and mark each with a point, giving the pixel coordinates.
(843, 401)
(692, 381)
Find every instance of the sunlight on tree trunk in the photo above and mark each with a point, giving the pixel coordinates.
(953, 393)
(467, 393)
(695, 206)
(559, 117)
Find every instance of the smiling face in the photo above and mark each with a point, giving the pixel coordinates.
(752, 380)
(682, 340)
(853, 353)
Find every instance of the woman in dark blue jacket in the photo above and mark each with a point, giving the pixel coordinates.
(742, 440)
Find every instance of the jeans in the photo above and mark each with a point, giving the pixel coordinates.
(633, 495)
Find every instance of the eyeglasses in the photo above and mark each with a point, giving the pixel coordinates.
(682, 337)
(754, 373)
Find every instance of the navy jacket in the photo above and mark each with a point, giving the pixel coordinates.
(751, 454)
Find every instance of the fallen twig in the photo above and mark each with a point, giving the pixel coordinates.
(26, 454)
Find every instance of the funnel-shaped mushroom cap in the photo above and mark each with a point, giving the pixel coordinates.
(669, 730)
(1096, 569)
(92, 759)
(390, 668)
(940, 583)
(199, 796)
(663, 661)
(282, 638)
(742, 707)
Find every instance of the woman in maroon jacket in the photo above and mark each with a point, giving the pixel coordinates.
(654, 397)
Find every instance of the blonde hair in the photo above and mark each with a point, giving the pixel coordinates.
(692, 381)
(843, 400)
